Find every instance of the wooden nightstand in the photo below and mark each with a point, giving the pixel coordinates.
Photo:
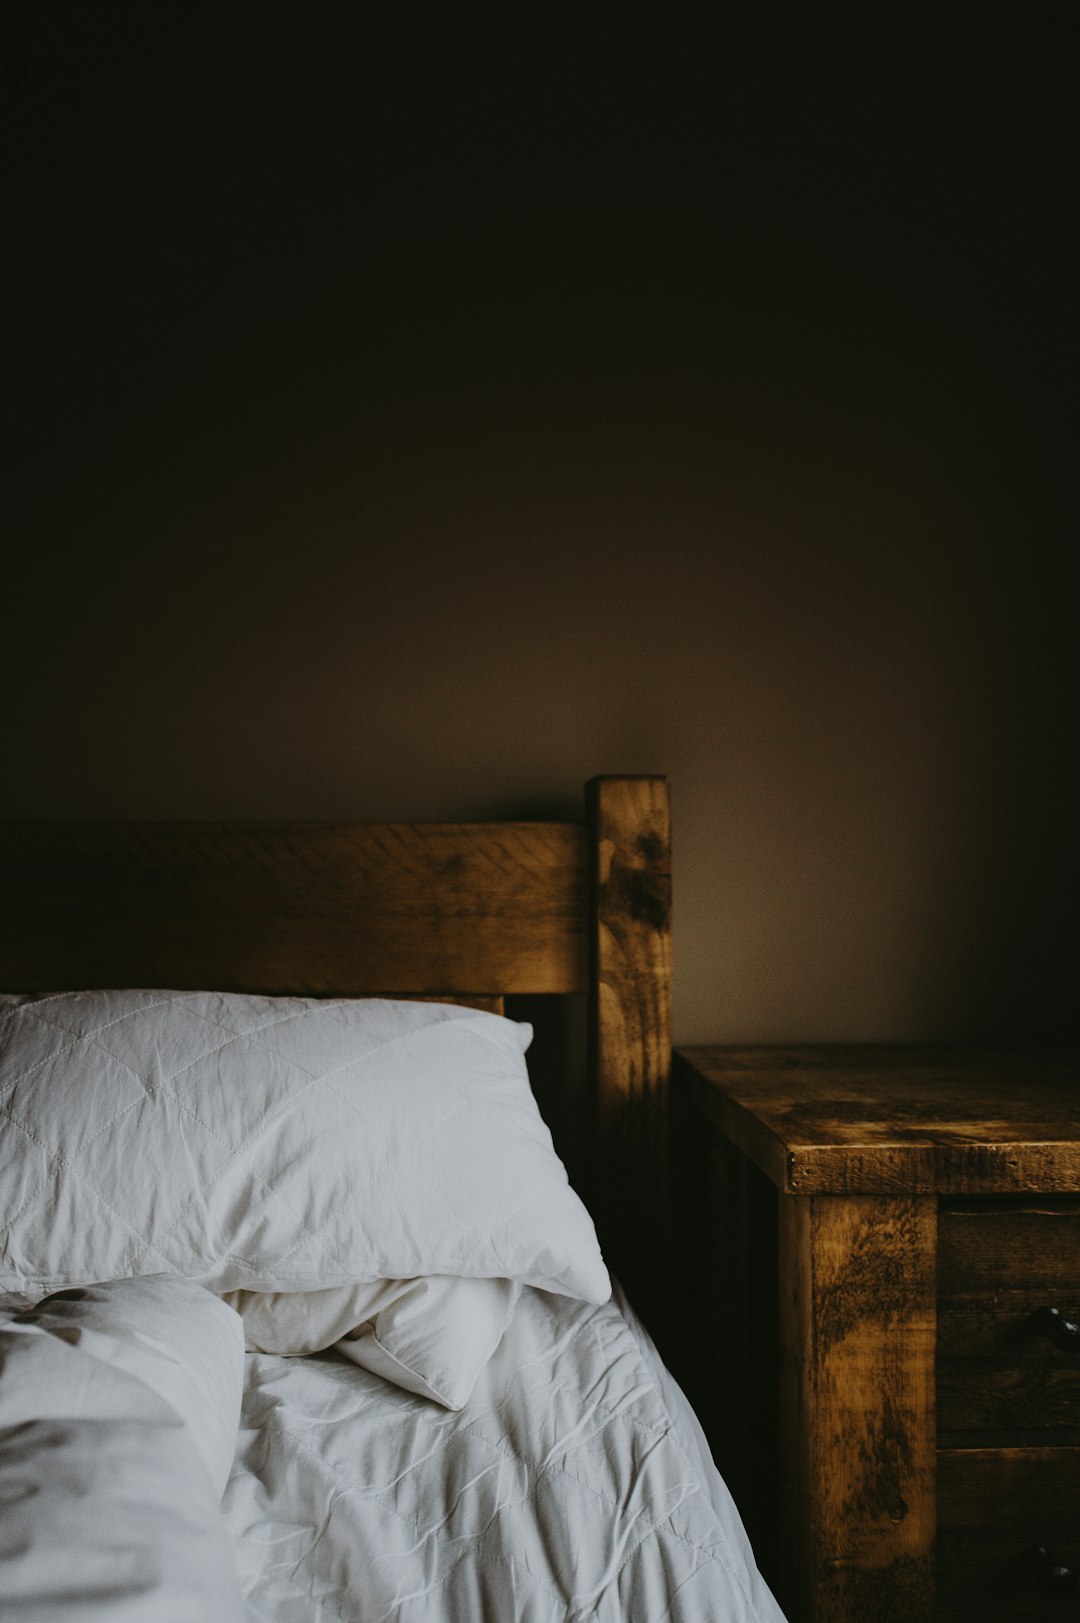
(882, 1306)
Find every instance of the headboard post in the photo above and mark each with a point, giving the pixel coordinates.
(629, 845)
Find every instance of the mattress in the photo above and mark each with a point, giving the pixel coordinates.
(576, 1484)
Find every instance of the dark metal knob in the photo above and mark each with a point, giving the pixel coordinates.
(1053, 1324)
(1052, 1576)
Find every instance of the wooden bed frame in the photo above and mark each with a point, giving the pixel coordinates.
(470, 912)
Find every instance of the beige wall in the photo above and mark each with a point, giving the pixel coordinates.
(444, 539)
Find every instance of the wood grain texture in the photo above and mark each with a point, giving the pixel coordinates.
(892, 1120)
(317, 908)
(630, 1023)
(630, 936)
(857, 1436)
(925, 1155)
(1000, 1380)
(993, 1505)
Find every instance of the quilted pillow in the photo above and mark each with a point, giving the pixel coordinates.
(277, 1144)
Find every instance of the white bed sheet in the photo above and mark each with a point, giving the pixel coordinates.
(575, 1485)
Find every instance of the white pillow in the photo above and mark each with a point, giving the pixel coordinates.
(277, 1144)
(432, 1336)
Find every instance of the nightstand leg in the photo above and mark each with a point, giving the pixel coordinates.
(858, 1444)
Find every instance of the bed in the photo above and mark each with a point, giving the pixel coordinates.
(301, 1318)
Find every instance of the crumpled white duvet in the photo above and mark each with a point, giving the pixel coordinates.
(573, 1486)
(118, 1414)
(564, 1491)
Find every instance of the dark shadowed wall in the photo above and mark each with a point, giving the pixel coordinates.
(414, 420)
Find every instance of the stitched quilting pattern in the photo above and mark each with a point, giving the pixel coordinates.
(561, 1493)
(276, 1144)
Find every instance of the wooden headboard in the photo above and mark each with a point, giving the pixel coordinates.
(470, 911)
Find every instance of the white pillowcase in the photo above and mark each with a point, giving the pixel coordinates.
(431, 1336)
(277, 1144)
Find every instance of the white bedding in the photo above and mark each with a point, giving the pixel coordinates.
(118, 1414)
(194, 1132)
(575, 1485)
(564, 1491)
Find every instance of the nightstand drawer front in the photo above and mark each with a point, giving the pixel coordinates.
(995, 1508)
(1008, 1359)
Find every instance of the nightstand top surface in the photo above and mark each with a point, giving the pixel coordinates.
(889, 1119)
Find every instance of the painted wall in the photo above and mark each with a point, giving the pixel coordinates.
(415, 426)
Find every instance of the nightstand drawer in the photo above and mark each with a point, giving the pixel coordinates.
(1008, 1370)
(996, 1508)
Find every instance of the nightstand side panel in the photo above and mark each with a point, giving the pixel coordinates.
(857, 1445)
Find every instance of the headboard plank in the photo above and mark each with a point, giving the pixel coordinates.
(345, 909)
